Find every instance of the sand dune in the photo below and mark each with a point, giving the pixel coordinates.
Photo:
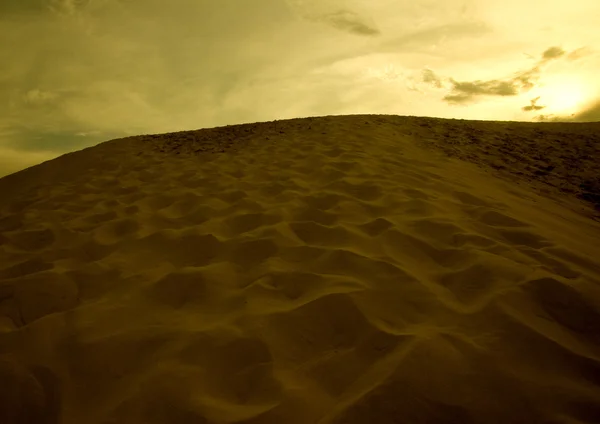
(332, 270)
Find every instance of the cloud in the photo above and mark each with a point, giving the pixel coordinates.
(579, 53)
(386, 73)
(521, 81)
(549, 118)
(431, 35)
(465, 91)
(589, 114)
(87, 133)
(527, 78)
(346, 20)
(430, 77)
(553, 53)
(338, 17)
(74, 7)
(533, 105)
(39, 97)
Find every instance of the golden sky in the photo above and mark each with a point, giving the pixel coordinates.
(78, 72)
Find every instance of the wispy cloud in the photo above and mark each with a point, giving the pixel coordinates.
(418, 38)
(63, 6)
(349, 21)
(36, 96)
(580, 52)
(430, 77)
(338, 16)
(533, 105)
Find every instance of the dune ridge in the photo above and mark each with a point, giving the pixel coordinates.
(331, 270)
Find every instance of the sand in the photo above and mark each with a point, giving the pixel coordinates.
(343, 269)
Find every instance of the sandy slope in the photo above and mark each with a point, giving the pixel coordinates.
(322, 270)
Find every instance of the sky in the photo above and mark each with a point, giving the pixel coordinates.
(75, 73)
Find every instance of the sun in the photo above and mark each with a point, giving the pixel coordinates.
(562, 96)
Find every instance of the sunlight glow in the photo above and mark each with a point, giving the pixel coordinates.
(562, 96)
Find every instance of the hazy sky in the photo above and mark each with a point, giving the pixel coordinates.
(74, 73)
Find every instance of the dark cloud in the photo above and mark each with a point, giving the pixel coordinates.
(533, 105)
(553, 118)
(522, 81)
(528, 78)
(589, 114)
(346, 20)
(465, 91)
(553, 53)
(430, 77)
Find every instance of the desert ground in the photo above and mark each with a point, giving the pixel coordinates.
(327, 270)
